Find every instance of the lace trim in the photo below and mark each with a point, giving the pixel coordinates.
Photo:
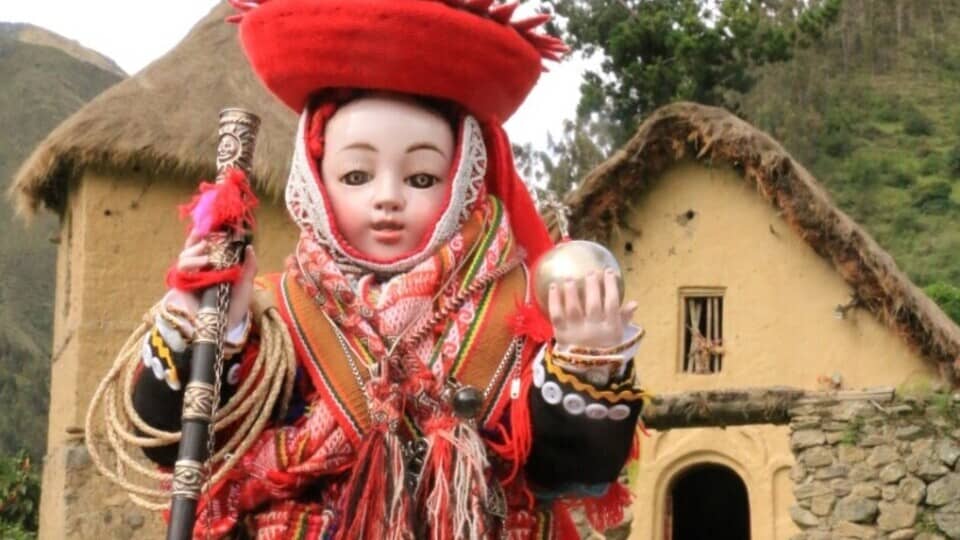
(306, 205)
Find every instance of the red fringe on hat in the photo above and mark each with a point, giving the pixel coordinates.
(466, 51)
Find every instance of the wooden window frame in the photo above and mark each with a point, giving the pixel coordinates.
(714, 319)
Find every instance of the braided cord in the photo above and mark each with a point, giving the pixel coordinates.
(112, 424)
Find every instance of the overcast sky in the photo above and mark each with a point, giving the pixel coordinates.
(135, 32)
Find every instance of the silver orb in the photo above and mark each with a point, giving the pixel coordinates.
(573, 259)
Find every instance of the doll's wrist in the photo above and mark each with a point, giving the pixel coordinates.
(598, 365)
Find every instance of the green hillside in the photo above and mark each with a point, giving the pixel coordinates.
(874, 112)
(39, 87)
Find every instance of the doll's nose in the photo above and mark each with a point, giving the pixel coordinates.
(388, 196)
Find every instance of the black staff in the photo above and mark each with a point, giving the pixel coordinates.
(237, 139)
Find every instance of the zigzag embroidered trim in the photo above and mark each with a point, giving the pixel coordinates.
(548, 378)
(306, 205)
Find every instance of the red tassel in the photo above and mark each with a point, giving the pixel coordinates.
(530, 322)
(364, 498)
(606, 512)
(518, 442)
(224, 206)
(563, 526)
(436, 481)
(373, 503)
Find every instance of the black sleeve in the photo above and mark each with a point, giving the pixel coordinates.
(160, 406)
(578, 436)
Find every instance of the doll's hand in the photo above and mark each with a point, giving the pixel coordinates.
(196, 257)
(599, 321)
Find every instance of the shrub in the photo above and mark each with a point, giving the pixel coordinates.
(953, 161)
(916, 123)
(933, 197)
(19, 496)
(947, 297)
(932, 164)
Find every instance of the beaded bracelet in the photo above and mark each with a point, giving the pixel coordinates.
(600, 351)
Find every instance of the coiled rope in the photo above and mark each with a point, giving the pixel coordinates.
(115, 437)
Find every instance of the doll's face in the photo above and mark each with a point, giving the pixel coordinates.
(385, 166)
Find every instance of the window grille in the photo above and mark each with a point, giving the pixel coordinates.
(702, 334)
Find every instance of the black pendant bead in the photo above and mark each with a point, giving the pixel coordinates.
(467, 401)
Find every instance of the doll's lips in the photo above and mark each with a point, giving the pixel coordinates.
(387, 232)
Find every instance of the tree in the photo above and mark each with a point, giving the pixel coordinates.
(658, 51)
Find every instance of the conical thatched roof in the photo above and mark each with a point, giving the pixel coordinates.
(715, 136)
(163, 121)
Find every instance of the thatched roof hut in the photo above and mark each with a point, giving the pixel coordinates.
(161, 122)
(715, 136)
(114, 172)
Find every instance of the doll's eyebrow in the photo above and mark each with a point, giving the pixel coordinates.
(425, 146)
(359, 146)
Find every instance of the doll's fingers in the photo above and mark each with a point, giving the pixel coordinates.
(592, 304)
(572, 309)
(555, 307)
(611, 294)
(627, 311)
(249, 263)
(189, 264)
(196, 249)
(192, 239)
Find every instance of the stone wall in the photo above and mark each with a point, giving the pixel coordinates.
(877, 469)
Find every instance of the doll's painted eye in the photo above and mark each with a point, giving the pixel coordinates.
(422, 181)
(355, 178)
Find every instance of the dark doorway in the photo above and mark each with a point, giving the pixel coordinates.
(708, 502)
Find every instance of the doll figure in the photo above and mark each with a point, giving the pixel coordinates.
(431, 399)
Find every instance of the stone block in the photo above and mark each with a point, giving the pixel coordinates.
(948, 451)
(841, 486)
(822, 505)
(803, 518)
(813, 489)
(856, 509)
(872, 440)
(911, 490)
(909, 433)
(893, 472)
(798, 473)
(846, 529)
(926, 466)
(851, 454)
(881, 455)
(903, 534)
(798, 423)
(894, 516)
(949, 523)
(868, 490)
(851, 409)
(806, 438)
(817, 457)
(832, 471)
(944, 491)
(862, 472)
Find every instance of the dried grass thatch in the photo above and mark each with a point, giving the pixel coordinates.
(163, 121)
(712, 135)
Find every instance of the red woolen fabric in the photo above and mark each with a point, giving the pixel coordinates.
(412, 46)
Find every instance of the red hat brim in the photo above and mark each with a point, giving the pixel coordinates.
(421, 47)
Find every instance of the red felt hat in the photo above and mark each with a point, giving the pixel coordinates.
(465, 51)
